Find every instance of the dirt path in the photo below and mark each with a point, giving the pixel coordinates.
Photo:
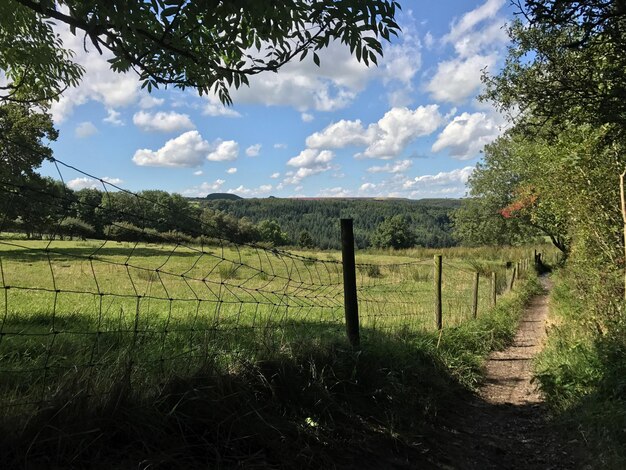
(505, 426)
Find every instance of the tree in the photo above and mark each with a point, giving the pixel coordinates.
(305, 240)
(270, 232)
(394, 232)
(577, 52)
(22, 149)
(209, 45)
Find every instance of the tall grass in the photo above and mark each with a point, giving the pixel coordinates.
(582, 371)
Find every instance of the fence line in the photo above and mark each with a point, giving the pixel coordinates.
(83, 315)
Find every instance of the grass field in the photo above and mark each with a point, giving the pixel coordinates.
(85, 315)
(163, 356)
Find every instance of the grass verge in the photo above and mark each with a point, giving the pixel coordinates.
(582, 373)
(307, 405)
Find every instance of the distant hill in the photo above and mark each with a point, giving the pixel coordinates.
(227, 196)
(429, 218)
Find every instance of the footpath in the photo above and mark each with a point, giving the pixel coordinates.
(506, 426)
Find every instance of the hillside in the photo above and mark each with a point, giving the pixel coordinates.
(430, 218)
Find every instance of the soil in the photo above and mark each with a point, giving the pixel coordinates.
(506, 425)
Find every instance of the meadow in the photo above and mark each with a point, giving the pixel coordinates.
(85, 316)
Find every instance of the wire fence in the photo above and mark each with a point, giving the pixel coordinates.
(86, 316)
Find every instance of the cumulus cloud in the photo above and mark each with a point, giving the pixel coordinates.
(99, 82)
(384, 139)
(397, 167)
(309, 162)
(85, 129)
(280, 146)
(275, 175)
(162, 121)
(466, 135)
(463, 29)
(214, 107)
(459, 78)
(224, 151)
(203, 189)
(231, 171)
(251, 192)
(310, 158)
(113, 117)
(147, 102)
(91, 183)
(186, 150)
(198, 173)
(253, 150)
(306, 117)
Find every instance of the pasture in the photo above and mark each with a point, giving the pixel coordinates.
(85, 316)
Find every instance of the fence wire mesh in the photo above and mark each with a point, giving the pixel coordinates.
(136, 305)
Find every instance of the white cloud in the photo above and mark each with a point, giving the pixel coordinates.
(162, 121)
(459, 78)
(465, 26)
(397, 167)
(99, 82)
(231, 171)
(460, 175)
(338, 135)
(223, 151)
(214, 107)
(280, 146)
(251, 192)
(85, 182)
(198, 173)
(309, 162)
(147, 102)
(203, 189)
(307, 117)
(384, 139)
(444, 184)
(113, 117)
(275, 175)
(85, 129)
(310, 158)
(466, 135)
(334, 192)
(186, 150)
(429, 40)
(253, 150)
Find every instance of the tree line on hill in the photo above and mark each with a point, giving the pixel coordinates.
(46, 207)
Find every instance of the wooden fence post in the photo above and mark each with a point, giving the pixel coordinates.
(494, 288)
(475, 304)
(351, 303)
(437, 280)
(513, 274)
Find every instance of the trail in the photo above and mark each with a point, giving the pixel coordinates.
(506, 426)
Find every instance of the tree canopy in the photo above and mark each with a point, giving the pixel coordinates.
(209, 45)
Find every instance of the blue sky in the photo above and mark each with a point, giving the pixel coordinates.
(409, 128)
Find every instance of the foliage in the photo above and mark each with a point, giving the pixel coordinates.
(567, 60)
(394, 232)
(305, 240)
(32, 56)
(270, 232)
(207, 45)
(429, 219)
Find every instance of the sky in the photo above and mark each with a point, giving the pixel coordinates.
(411, 127)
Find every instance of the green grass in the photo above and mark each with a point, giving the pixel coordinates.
(582, 373)
(94, 330)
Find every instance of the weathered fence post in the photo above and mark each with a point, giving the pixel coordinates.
(494, 288)
(349, 283)
(513, 274)
(437, 280)
(475, 304)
